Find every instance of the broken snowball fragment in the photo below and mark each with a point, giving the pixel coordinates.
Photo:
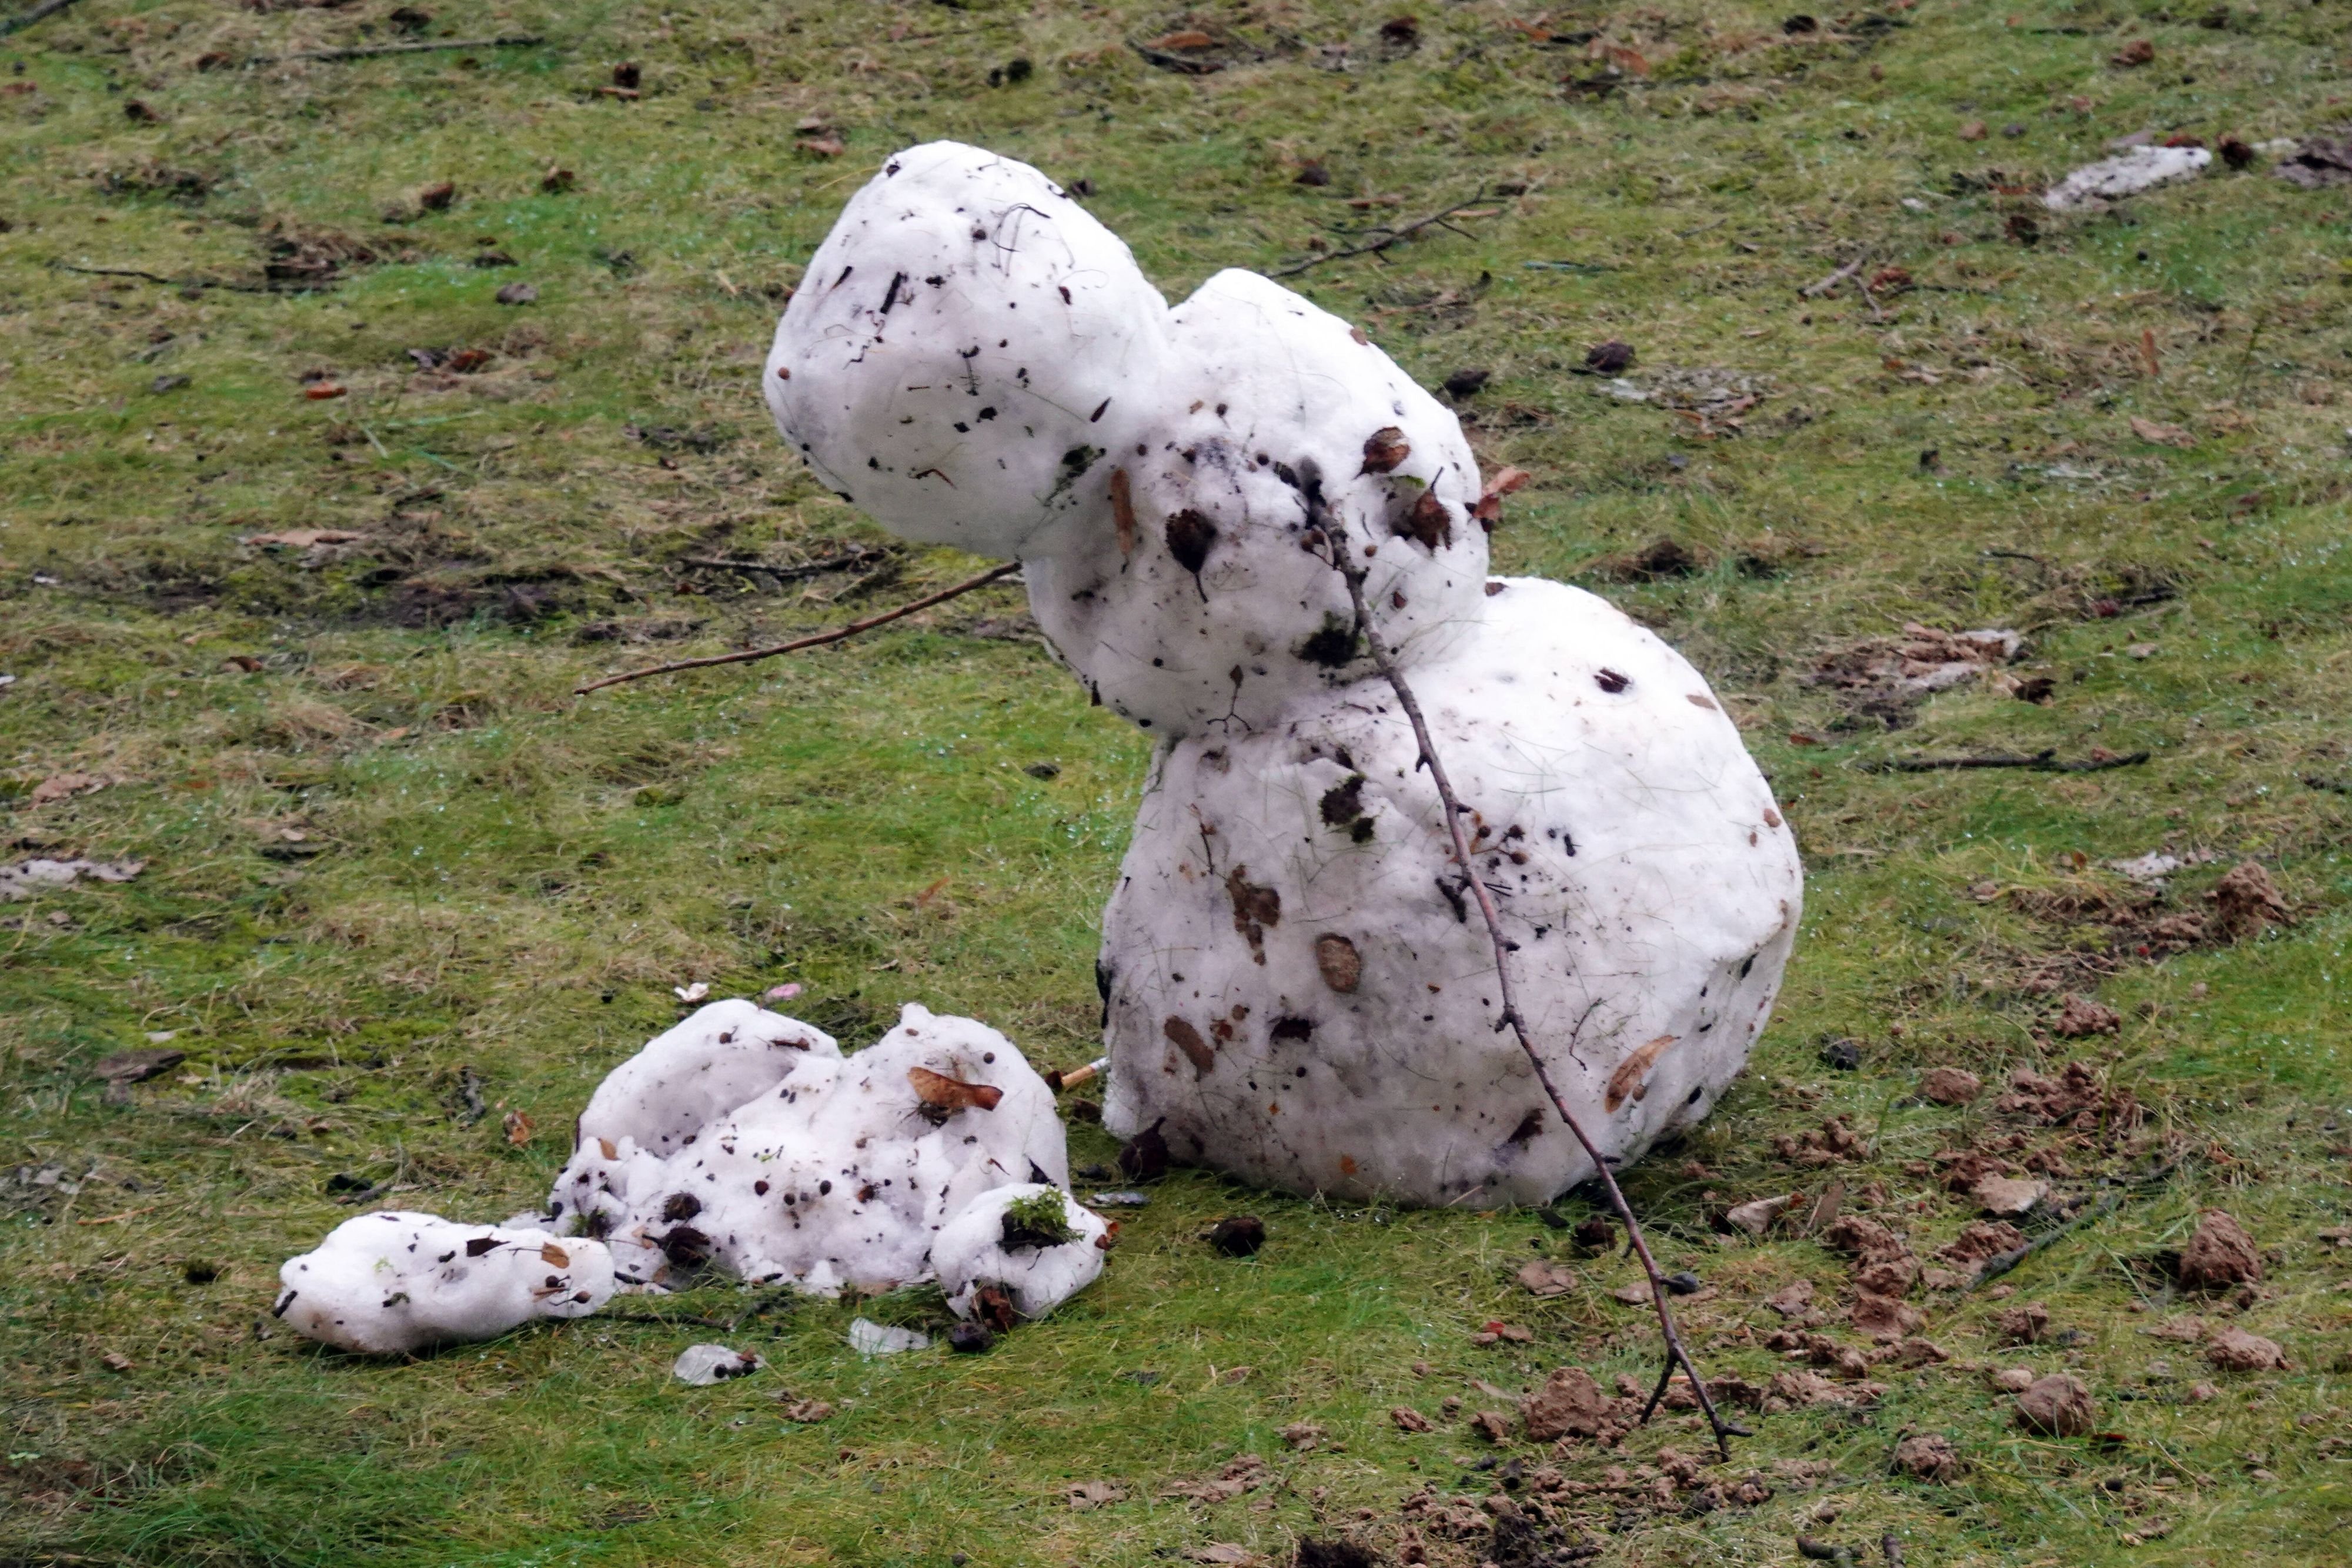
(394, 1283)
(726, 1053)
(1038, 1261)
(1206, 598)
(957, 349)
(1301, 993)
(703, 1364)
(2134, 170)
(869, 1338)
(838, 1173)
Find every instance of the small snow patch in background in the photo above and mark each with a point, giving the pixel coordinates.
(701, 1364)
(2127, 173)
(867, 1337)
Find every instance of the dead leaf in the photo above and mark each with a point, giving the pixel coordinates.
(1757, 1216)
(1626, 1081)
(1184, 38)
(1122, 511)
(554, 1256)
(1543, 1278)
(64, 786)
(1409, 1420)
(116, 1361)
(2005, 1197)
(953, 1093)
(2138, 52)
(303, 538)
(519, 1129)
(1384, 449)
(1093, 1494)
(1302, 1435)
(2159, 434)
(1221, 1551)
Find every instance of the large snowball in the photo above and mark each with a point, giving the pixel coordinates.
(1301, 991)
(1203, 599)
(840, 1173)
(394, 1283)
(971, 1253)
(959, 348)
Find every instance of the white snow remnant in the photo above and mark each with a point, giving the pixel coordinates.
(742, 1140)
(394, 1283)
(2127, 173)
(839, 1171)
(703, 1364)
(1296, 988)
(974, 1252)
(869, 1338)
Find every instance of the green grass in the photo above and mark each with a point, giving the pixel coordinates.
(495, 877)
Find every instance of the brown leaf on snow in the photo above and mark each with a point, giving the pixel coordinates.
(2235, 1350)
(937, 1089)
(1384, 449)
(2221, 1253)
(1626, 1083)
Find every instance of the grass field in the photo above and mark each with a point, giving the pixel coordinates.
(387, 855)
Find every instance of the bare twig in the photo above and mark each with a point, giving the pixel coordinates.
(1829, 284)
(2037, 762)
(183, 282)
(2000, 1263)
(1390, 237)
(838, 633)
(40, 13)
(514, 41)
(789, 573)
(1351, 568)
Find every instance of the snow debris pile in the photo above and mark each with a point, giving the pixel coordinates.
(745, 1142)
(836, 1171)
(1296, 988)
(393, 1283)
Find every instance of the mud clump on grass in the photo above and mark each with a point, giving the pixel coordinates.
(2219, 1255)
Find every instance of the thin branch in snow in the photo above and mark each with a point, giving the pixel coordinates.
(1351, 568)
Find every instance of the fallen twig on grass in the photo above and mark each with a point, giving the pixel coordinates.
(1829, 284)
(1391, 236)
(184, 282)
(1335, 533)
(515, 41)
(2037, 762)
(2000, 1263)
(789, 573)
(40, 13)
(837, 634)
